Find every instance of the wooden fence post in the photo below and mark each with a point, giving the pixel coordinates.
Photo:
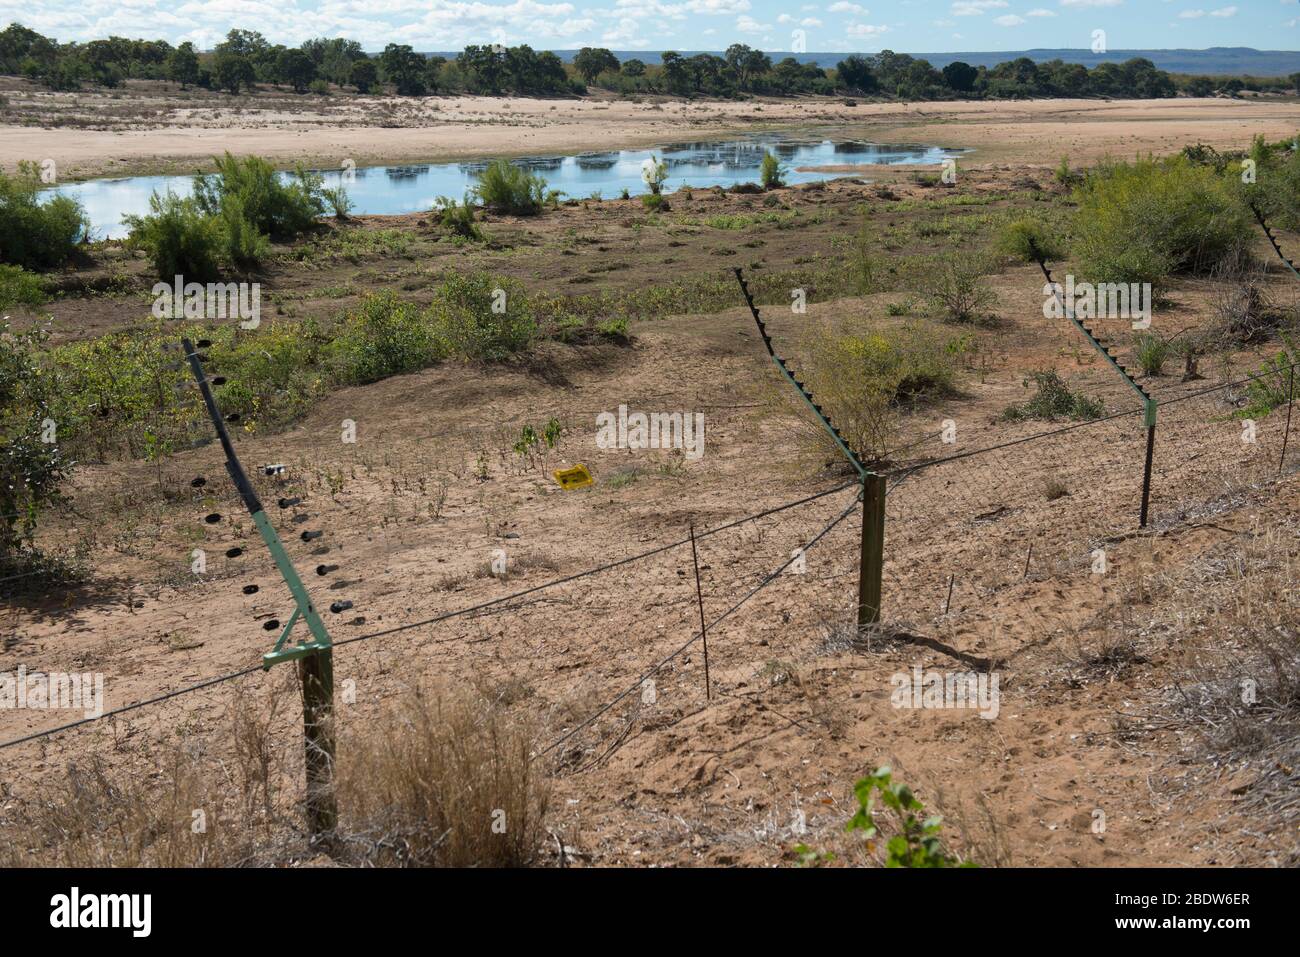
(872, 563)
(316, 672)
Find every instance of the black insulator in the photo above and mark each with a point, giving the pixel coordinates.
(271, 625)
(250, 589)
(288, 502)
(326, 569)
(233, 417)
(213, 518)
(219, 380)
(204, 343)
(198, 482)
(340, 606)
(234, 552)
(308, 536)
(272, 469)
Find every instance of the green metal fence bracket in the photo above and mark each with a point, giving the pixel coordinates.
(303, 607)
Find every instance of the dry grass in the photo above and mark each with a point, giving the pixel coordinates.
(442, 779)
(437, 780)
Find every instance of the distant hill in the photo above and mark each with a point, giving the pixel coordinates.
(1236, 61)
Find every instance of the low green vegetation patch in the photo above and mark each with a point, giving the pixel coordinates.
(1053, 399)
(116, 394)
(20, 288)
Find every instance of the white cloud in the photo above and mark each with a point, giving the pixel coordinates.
(810, 22)
(843, 7)
(1091, 3)
(1224, 12)
(975, 8)
(1040, 12)
(1010, 20)
(1191, 14)
(861, 30)
(747, 24)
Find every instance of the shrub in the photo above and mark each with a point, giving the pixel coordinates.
(1054, 400)
(956, 287)
(384, 336)
(180, 239)
(36, 234)
(506, 188)
(1066, 176)
(918, 842)
(655, 202)
(1025, 239)
(1144, 221)
(771, 173)
(1273, 385)
(31, 467)
(458, 218)
(239, 242)
(281, 209)
(478, 316)
(1151, 352)
(20, 288)
(338, 201)
(860, 374)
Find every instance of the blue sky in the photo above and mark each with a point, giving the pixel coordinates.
(773, 25)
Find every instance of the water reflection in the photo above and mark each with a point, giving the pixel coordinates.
(410, 188)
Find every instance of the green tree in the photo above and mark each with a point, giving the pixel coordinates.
(233, 72)
(591, 62)
(404, 68)
(855, 73)
(364, 75)
(183, 65)
(296, 68)
(960, 76)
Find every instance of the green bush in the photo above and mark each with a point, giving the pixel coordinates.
(1054, 400)
(32, 467)
(1151, 352)
(20, 288)
(278, 208)
(457, 218)
(36, 234)
(180, 239)
(1026, 238)
(771, 172)
(1144, 221)
(655, 202)
(862, 373)
(506, 188)
(479, 316)
(383, 337)
(1272, 386)
(239, 242)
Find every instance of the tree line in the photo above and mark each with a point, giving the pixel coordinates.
(245, 59)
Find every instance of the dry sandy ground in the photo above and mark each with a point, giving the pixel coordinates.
(107, 134)
(414, 511)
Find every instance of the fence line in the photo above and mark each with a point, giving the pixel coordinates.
(457, 613)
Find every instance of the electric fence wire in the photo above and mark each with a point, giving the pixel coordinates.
(457, 613)
(654, 669)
